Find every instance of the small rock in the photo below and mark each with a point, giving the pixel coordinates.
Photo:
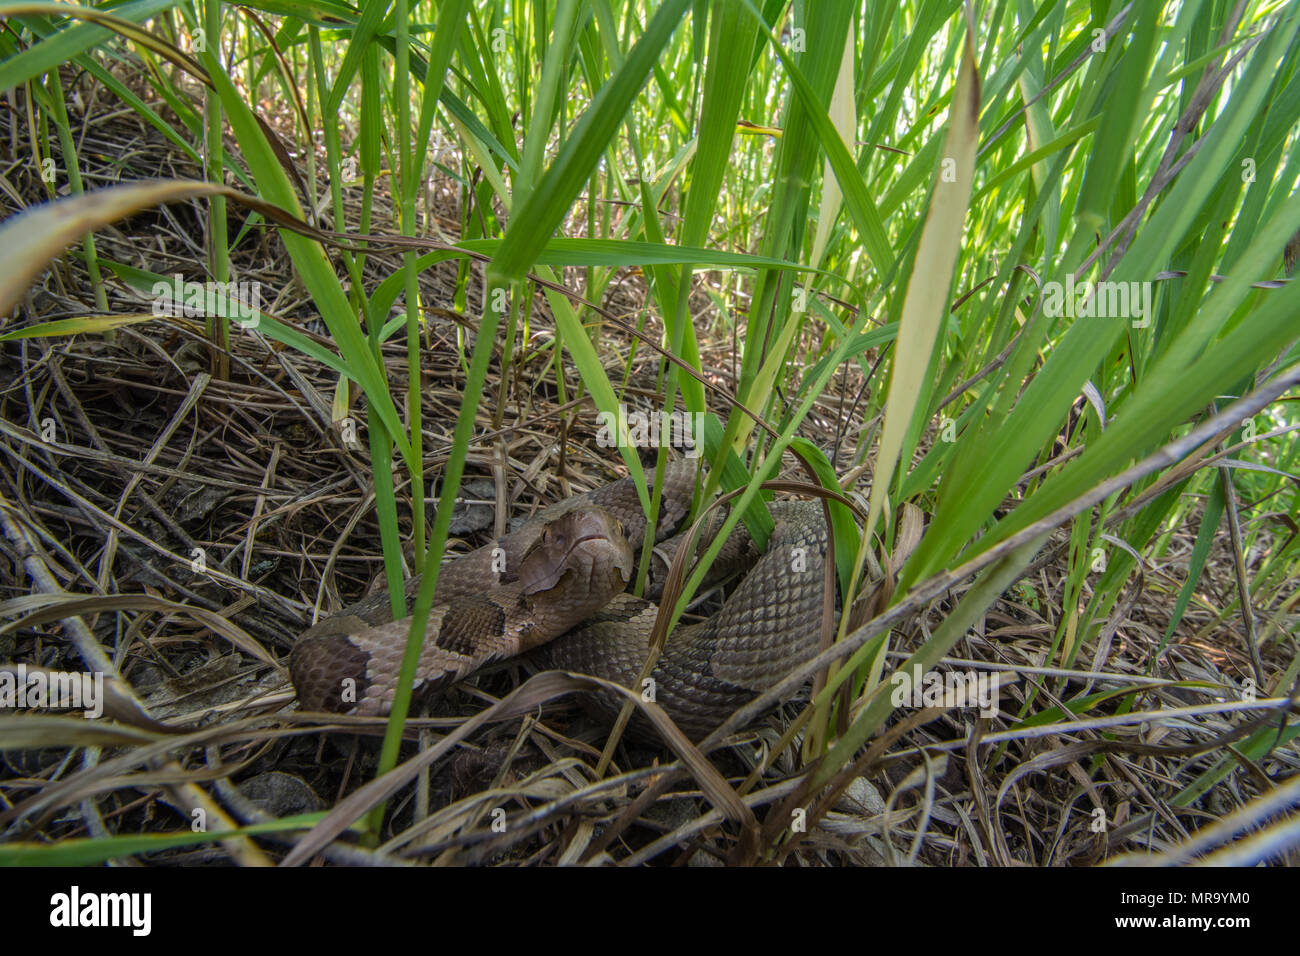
(280, 794)
(468, 514)
(861, 797)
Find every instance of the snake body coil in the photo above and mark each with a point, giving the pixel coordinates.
(563, 573)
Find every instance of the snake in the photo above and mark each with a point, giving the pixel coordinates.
(557, 586)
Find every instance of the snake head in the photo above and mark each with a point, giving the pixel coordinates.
(590, 542)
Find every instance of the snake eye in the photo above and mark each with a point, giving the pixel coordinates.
(546, 536)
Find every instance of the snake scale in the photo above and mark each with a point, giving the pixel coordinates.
(559, 581)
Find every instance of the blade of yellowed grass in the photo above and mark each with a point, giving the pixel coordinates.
(844, 119)
(1039, 132)
(925, 303)
(926, 300)
(31, 239)
(341, 405)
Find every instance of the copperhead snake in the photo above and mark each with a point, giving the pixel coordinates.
(559, 581)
